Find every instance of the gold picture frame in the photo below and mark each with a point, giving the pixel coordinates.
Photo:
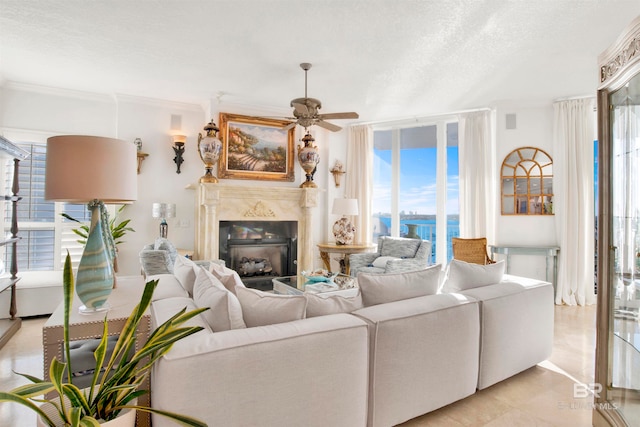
(256, 148)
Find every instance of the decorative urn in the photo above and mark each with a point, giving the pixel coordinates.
(209, 148)
(309, 158)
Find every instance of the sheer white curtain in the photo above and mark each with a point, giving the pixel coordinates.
(359, 179)
(476, 156)
(573, 136)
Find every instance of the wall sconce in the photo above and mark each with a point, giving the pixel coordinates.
(141, 156)
(178, 148)
(337, 172)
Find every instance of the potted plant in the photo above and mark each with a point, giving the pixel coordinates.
(118, 230)
(114, 388)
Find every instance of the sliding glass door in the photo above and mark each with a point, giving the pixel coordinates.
(416, 184)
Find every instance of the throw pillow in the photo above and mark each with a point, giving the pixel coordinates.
(463, 275)
(229, 278)
(317, 305)
(185, 271)
(381, 261)
(261, 308)
(383, 288)
(225, 311)
(400, 247)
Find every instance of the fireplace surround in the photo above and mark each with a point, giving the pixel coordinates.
(216, 203)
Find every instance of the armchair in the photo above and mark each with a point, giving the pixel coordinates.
(159, 258)
(394, 255)
(471, 250)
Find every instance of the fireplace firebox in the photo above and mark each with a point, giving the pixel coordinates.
(259, 250)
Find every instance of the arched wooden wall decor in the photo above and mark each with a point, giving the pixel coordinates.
(527, 182)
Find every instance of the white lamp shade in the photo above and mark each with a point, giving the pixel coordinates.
(82, 168)
(345, 207)
(163, 210)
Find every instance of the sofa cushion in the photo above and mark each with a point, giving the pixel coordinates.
(381, 261)
(400, 248)
(319, 305)
(168, 287)
(463, 275)
(261, 308)
(383, 288)
(185, 271)
(225, 312)
(229, 278)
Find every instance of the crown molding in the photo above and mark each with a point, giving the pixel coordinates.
(54, 91)
(154, 102)
(99, 97)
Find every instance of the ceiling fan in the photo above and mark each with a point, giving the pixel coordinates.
(305, 110)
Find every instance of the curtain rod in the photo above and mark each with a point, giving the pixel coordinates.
(571, 98)
(419, 119)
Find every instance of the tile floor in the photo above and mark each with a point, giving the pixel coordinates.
(540, 396)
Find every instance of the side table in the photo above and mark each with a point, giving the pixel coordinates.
(346, 250)
(122, 300)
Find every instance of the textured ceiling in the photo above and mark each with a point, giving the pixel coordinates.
(385, 59)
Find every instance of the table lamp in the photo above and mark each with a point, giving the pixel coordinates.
(343, 229)
(93, 170)
(163, 211)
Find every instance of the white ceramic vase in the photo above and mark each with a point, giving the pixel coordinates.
(127, 418)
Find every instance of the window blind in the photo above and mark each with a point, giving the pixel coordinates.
(39, 223)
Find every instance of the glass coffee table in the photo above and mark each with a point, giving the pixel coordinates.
(341, 284)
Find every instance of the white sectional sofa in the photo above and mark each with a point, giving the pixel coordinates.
(403, 353)
(423, 355)
(516, 318)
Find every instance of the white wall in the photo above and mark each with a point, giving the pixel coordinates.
(533, 128)
(48, 112)
(44, 112)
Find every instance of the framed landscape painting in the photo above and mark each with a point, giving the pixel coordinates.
(256, 148)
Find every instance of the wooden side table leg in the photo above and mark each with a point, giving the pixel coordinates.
(326, 260)
(347, 265)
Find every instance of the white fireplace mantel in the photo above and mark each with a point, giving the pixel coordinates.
(219, 202)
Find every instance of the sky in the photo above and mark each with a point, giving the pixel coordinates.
(417, 181)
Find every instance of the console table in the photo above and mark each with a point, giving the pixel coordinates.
(550, 252)
(346, 250)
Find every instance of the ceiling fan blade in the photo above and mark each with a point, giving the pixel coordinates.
(328, 126)
(300, 108)
(350, 115)
(288, 119)
(290, 126)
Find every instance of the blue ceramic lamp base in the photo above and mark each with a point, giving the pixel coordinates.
(95, 274)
